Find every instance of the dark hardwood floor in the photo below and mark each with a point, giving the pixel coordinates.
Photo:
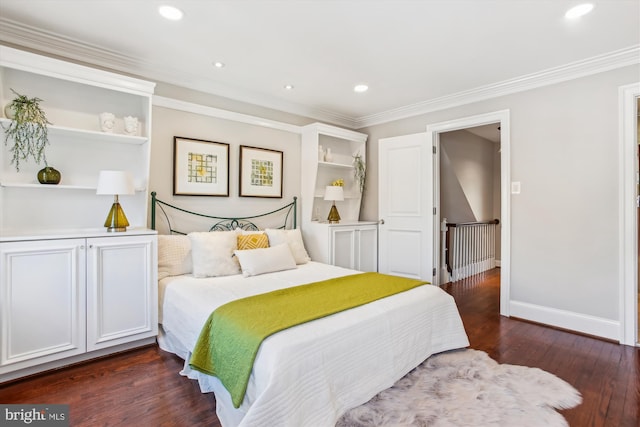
(143, 387)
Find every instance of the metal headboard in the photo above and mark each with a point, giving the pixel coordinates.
(222, 223)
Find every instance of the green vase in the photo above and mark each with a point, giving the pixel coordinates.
(48, 175)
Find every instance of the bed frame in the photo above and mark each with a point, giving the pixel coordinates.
(221, 223)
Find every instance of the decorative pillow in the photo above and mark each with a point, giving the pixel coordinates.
(212, 253)
(294, 239)
(253, 241)
(265, 260)
(174, 255)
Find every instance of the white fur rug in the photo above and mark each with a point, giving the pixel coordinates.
(468, 388)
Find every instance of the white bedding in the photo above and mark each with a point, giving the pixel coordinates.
(309, 375)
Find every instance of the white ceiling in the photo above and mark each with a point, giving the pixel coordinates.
(412, 54)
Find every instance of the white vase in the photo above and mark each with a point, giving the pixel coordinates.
(320, 153)
(328, 157)
(8, 112)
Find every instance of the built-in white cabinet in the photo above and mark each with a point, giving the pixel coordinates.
(350, 243)
(121, 290)
(42, 302)
(70, 290)
(63, 299)
(355, 246)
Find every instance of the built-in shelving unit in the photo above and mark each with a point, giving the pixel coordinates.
(70, 290)
(73, 96)
(324, 241)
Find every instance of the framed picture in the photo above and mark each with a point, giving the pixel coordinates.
(200, 168)
(260, 172)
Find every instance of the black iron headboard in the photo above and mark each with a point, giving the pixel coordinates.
(289, 212)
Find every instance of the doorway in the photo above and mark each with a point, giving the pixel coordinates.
(469, 201)
(629, 230)
(434, 131)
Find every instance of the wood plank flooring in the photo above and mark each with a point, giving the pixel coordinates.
(143, 388)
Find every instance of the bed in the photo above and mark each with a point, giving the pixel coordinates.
(309, 374)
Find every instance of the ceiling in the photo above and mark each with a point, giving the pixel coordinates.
(414, 55)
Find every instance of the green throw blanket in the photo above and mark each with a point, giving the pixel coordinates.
(230, 339)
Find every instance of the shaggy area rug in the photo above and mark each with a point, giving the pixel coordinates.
(468, 388)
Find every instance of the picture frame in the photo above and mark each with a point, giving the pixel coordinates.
(260, 172)
(200, 167)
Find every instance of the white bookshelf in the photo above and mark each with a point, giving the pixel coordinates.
(321, 237)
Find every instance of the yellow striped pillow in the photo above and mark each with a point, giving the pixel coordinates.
(253, 241)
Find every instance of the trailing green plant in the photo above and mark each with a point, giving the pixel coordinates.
(359, 170)
(27, 130)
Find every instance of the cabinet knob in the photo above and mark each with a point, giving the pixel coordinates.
(381, 221)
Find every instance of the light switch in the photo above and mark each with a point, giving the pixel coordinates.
(515, 187)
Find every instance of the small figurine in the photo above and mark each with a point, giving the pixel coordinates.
(130, 125)
(107, 122)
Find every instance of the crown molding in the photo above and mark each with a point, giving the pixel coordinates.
(597, 64)
(175, 104)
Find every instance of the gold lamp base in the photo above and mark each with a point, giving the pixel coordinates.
(334, 216)
(116, 220)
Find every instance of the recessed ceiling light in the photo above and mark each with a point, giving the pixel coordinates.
(288, 87)
(218, 64)
(360, 88)
(578, 11)
(170, 12)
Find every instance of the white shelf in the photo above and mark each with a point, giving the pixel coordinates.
(88, 135)
(54, 186)
(335, 165)
(346, 196)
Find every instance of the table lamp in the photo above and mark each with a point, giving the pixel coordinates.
(334, 193)
(115, 183)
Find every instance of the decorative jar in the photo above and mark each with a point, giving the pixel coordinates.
(48, 175)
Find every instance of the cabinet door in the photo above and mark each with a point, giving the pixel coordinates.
(367, 247)
(121, 290)
(343, 246)
(42, 302)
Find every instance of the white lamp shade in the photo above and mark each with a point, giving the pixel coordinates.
(115, 183)
(334, 193)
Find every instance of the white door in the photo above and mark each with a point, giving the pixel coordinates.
(405, 186)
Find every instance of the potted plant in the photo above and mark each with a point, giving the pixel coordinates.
(359, 170)
(27, 130)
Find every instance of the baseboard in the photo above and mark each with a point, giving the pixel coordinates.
(498, 263)
(591, 325)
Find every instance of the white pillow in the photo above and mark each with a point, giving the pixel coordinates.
(245, 232)
(293, 238)
(265, 260)
(174, 255)
(212, 253)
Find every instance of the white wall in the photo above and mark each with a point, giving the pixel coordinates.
(169, 122)
(466, 177)
(564, 224)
